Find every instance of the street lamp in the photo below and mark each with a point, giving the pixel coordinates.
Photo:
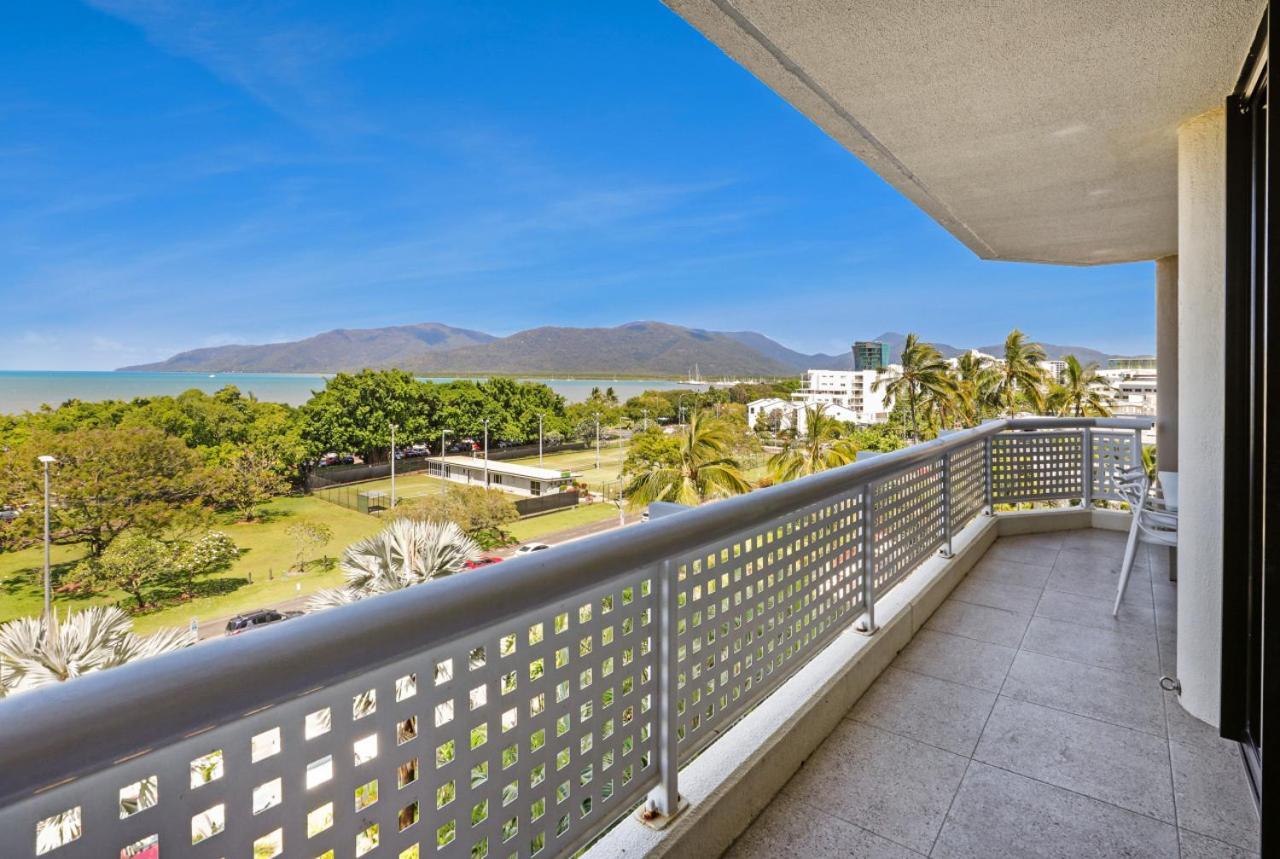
(646, 418)
(443, 467)
(486, 453)
(597, 442)
(539, 438)
(393, 466)
(681, 402)
(46, 461)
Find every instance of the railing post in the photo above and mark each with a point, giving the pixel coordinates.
(989, 487)
(1086, 467)
(947, 505)
(867, 624)
(664, 801)
(1137, 449)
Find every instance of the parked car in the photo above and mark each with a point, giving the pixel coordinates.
(482, 562)
(531, 547)
(258, 618)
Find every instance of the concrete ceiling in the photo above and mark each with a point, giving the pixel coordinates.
(1037, 130)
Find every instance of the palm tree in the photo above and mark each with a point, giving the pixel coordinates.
(1081, 392)
(976, 381)
(822, 448)
(1021, 374)
(704, 468)
(407, 552)
(924, 374)
(35, 651)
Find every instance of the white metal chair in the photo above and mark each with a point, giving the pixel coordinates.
(1154, 522)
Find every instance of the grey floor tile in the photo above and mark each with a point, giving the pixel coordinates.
(1123, 649)
(1010, 572)
(1131, 700)
(1213, 794)
(1197, 846)
(1029, 549)
(997, 813)
(984, 623)
(1186, 728)
(1094, 612)
(898, 788)
(958, 659)
(1107, 561)
(933, 711)
(1119, 765)
(997, 595)
(1097, 541)
(789, 826)
(1167, 644)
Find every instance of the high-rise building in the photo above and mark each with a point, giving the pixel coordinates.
(870, 355)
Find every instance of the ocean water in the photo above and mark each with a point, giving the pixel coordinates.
(24, 390)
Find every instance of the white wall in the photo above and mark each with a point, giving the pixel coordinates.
(1201, 278)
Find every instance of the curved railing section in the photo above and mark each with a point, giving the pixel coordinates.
(518, 709)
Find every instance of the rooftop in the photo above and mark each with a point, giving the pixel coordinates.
(515, 469)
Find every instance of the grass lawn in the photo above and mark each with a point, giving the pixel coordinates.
(540, 526)
(265, 548)
(584, 463)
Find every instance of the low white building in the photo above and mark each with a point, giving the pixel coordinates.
(853, 390)
(784, 415)
(527, 480)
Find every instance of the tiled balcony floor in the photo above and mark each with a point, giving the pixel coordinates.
(1023, 720)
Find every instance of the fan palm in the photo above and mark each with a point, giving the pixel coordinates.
(1081, 392)
(704, 468)
(924, 374)
(1021, 374)
(36, 652)
(405, 553)
(821, 448)
(975, 381)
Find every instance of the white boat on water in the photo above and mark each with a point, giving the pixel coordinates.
(695, 378)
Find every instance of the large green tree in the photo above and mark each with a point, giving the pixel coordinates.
(704, 468)
(924, 374)
(104, 481)
(1020, 374)
(355, 411)
(1081, 392)
(824, 445)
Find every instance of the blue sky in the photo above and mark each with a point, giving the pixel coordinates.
(177, 174)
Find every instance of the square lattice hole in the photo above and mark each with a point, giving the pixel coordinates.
(139, 796)
(269, 845)
(206, 768)
(208, 823)
(143, 848)
(58, 830)
(319, 819)
(366, 794)
(365, 749)
(264, 745)
(364, 704)
(267, 795)
(317, 723)
(406, 730)
(406, 687)
(319, 771)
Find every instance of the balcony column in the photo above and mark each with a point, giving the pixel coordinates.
(1200, 424)
(1167, 373)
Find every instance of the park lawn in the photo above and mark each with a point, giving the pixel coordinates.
(583, 462)
(266, 552)
(537, 527)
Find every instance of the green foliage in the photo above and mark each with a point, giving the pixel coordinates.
(1081, 391)
(355, 411)
(1020, 376)
(104, 481)
(650, 450)
(308, 536)
(480, 513)
(924, 375)
(704, 467)
(149, 569)
(824, 446)
(247, 477)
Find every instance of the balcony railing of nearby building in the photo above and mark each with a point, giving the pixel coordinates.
(516, 710)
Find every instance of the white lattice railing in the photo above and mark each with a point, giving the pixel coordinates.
(516, 710)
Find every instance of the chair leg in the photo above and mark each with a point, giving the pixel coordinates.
(1130, 551)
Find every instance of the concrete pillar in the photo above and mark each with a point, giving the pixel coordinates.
(1200, 426)
(1167, 375)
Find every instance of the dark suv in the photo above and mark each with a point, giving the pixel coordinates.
(254, 619)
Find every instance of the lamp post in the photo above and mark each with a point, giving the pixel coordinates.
(443, 466)
(681, 403)
(539, 439)
(486, 453)
(646, 418)
(597, 442)
(393, 466)
(46, 461)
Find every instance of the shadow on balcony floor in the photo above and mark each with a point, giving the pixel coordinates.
(1023, 720)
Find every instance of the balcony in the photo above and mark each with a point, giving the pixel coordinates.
(525, 710)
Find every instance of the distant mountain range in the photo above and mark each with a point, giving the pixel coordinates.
(633, 349)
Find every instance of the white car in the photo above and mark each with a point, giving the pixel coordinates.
(531, 547)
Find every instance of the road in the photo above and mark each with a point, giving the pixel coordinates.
(214, 628)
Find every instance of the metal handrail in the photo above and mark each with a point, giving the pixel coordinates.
(75, 728)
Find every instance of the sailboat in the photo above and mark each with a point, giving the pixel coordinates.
(695, 378)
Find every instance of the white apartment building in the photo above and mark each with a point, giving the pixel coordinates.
(854, 390)
(790, 414)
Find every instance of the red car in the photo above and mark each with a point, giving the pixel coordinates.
(481, 562)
